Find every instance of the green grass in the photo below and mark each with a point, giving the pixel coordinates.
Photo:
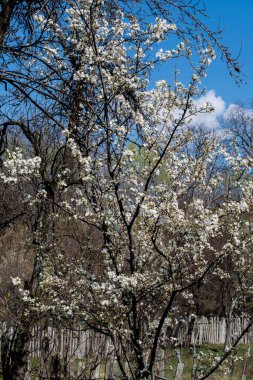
(211, 351)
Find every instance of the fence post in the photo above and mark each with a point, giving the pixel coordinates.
(180, 366)
(160, 363)
(110, 368)
(95, 373)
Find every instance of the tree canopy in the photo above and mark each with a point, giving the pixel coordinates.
(122, 205)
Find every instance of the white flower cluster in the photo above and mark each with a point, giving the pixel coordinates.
(16, 167)
(159, 30)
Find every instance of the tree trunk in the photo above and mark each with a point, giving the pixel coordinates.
(188, 337)
(228, 332)
(14, 353)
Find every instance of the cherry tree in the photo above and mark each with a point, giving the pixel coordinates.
(103, 150)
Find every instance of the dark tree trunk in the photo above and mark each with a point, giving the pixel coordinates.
(14, 354)
(188, 337)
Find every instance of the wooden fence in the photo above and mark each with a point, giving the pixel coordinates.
(213, 330)
(84, 343)
(79, 352)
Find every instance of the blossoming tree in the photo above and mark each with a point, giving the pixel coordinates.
(101, 150)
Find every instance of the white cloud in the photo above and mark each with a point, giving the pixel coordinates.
(210, 120)
(237, 109)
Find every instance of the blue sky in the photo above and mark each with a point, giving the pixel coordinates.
(235, 18)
